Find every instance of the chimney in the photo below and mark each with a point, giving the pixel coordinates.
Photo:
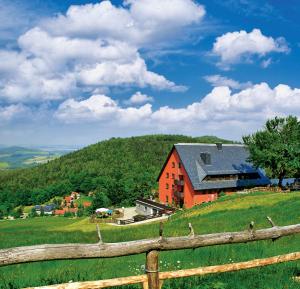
(219, 146)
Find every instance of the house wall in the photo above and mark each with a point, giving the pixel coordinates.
(143, 209)
(146, 210)
(203, 197)
(191, 197)
(166, 196)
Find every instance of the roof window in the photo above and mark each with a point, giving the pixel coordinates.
(206, 158)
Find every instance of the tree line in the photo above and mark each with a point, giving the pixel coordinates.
(118, 170)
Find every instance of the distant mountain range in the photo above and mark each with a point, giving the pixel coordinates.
(13, 157)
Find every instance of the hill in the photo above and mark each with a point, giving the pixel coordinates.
(121, 168)
(19, 157)
(229, 213)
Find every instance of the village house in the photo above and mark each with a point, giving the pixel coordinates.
(151, 208)
(47, 209)
(197, 173)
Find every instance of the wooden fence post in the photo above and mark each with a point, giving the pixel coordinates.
(152, 270)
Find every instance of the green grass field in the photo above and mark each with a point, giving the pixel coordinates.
(4, 165)
(231, 213)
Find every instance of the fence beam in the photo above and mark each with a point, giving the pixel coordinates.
(179, 274)
(107, 250)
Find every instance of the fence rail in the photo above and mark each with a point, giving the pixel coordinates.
(152, 279)
(177, 274)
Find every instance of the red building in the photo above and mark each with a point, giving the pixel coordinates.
(198, 173)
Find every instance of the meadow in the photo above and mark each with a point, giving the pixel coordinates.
(230, 213)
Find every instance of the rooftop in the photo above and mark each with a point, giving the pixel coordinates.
(223, 160)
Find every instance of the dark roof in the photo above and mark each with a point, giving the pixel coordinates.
(230, 159)
(154, 204)
(49, 208)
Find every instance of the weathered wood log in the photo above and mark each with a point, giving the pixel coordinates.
(180, 273)
(231, 267)
(152, 269)
(99, 284)
(106, 250)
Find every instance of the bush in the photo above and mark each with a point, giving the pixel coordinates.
(68, 214)
(32, 213)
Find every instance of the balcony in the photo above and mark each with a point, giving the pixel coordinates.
(179, 195)
(179, 182)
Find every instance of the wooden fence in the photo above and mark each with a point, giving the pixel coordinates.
(153, 278)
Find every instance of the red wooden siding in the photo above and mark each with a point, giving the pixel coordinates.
(190, 196)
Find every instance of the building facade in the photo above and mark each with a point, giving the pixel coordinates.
(151, 208)
(198, 173)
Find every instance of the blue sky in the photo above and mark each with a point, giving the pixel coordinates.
(76, 72)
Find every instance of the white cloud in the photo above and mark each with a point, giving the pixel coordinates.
(221, 111)
(139, 98)
(10, 112)
(140, 23)
(266, 62)
(134, 73)
(92, 48)
(238, 46)
(101, 108)
(218, 80)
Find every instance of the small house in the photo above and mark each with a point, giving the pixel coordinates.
(151, 208)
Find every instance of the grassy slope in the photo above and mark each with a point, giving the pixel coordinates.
(19, 157)
(227, 214)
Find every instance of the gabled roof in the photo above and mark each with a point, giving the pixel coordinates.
(230, 159)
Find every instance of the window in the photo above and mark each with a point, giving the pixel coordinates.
(206, 158)
(167, 175)
(173, 176)
(167, 186)
(173, 165)
(167, 199)
(179, 165)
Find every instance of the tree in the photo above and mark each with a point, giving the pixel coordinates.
(100, 200)
(17, 213)
(276, 147)
(32, 213)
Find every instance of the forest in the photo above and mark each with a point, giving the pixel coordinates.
(121, 169)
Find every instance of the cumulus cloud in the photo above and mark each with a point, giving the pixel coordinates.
(133, 73)
(139, 98)
(10, 112)
(219, 111)
(93, 47)
(238, 46)
(141, 23)
(218, 80)
(100, 108)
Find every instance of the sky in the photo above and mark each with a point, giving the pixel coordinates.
(78, 72)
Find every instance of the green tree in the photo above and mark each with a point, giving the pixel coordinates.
(17, 213)
(276, 147)
(42, 211)
(100, 200)
(32, 213)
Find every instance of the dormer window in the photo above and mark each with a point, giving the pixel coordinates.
(206, 158)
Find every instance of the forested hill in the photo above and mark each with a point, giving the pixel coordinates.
(122, 168)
